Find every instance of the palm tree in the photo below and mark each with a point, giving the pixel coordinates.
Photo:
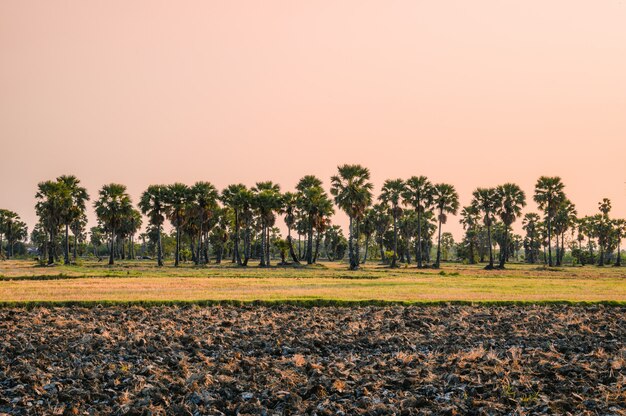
(390, 195)
(368, 227)
(446, 201)
(13, 228)
(112, 206)
(485, 201)
(74, 207)
(353, 194)
(620, 232)
(510, 199)
(549, 195)
(419, 194)
(153, 205)
(380, 217)
(78, 227)
(470, 216)
(289, 209)
(531, 225)
(237, 197)
(203, 201)
(52, 199)
(564, 218)
(177, 198)
(267, 201)
(314, 204)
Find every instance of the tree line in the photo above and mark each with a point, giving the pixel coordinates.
(239, 223)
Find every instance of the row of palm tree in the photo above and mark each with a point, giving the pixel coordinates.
(12, 229)
(238, 214)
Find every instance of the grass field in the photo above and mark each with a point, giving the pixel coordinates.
(23, 281)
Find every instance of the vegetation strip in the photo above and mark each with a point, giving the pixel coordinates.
(305, 303)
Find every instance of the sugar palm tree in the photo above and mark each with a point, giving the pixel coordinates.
(112, 205)
(564, 218)
(470, 217)
(419, 194)
(153, 205)
(446, 201)
(548, 196)
(13, 228)
(237, 197)
(510, 199)
(391, 195)
(267, 201)
(177, 198)
(78, 227)
(203, 207)
(313, 203)
(380, 217)
(353, 194)
(531, 225)
(620, 233)
(52, 199)
(484, 199)
(73, 208)
(289, 209)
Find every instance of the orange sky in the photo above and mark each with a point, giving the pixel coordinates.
(473, 93)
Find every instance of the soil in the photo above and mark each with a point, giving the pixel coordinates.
(255, 360)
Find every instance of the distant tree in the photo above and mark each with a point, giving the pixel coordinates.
(78, 227)
(73, 207)
(112, 207)
(96, 239)
(238, 198)
(485, 201)
(177, 197)
(620, 232)
(532, 243)
(564, 218)
(53, 198)
(549, 195)
(446, 201)
(267, 202)
(153, 204)
(353, 194)
(510, 199)
(391, 195)
(14, 230)
(418, 193)
(289, 208)
(368, 228)
(470, 218)
(447, 244)
(314, 204)
(202, 212)
(381, 219)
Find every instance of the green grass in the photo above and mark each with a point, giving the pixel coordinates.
(141, 282)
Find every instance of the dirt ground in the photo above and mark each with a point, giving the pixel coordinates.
(326, 361)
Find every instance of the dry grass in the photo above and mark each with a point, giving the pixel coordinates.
(23, 281)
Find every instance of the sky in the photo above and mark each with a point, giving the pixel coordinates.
(471, 93)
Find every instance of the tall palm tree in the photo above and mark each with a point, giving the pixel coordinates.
(237, 197)
(203, 207)
(620, 233)
(153, 205)
(548, 196)
(112, 205)
(267, 201)
(564, 218)
(380, 217)
(510, 199)
(52, 199)
(531, 225)
(446, 201)
(13, 228)
(470, 217)
(289, 209)
(78, 227)
(485, 201)
(353, 194)
(390, 195)
(419, 194)
(313, 203)
(74, 207)
(177, 198)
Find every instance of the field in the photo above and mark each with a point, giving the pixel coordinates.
(137, 339)
(228, 360)
(23, 281)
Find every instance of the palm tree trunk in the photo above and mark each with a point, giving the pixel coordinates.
(111, 260)
(419, 238)
(350, 247)
(236, 255)
(549, 242)
(67, 244)
(75, 248)
(394, 260)
(438, 261)
(490, 246)
(618, 262)
(177, 257)
(357, 254)
(309, 244)
(159, 249)
(262, 263)
(505, 248)
(292, 253)
(367, 244)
